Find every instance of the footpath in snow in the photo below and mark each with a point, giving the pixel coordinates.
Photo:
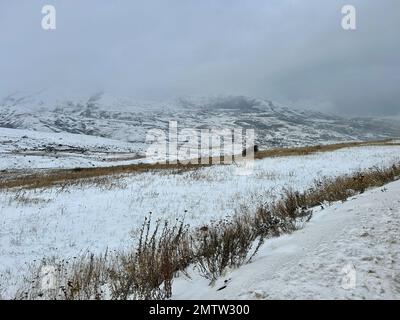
(349, 250)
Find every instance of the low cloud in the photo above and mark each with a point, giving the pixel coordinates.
(291, 51)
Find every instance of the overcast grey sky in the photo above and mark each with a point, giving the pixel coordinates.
(291, 51)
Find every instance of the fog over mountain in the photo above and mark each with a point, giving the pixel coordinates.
(127, 120)
(291, 51)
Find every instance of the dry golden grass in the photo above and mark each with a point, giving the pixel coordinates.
(97, 175)
(72, 176)
(302, 151)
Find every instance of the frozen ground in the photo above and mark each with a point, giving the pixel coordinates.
(27, 149)
(349, 250)
(67, 221)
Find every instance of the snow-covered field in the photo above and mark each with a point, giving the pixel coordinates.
(65, 222)
(349, 250)
(27, 149)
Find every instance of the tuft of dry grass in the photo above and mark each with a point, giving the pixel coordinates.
(223, 244)
(340, 188)
(147, 273)
(81, 278)
(143, 273)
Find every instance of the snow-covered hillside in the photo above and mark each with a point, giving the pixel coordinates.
(66, 221)
(127, 120)
(349, 250)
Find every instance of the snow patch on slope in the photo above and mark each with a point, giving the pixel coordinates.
(349, 250)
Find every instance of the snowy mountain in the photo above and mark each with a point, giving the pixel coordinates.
(127, 120)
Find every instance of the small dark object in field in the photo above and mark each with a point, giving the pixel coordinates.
(253, 149)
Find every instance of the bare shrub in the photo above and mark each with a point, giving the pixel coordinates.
(81, 278)
(226, 243)
(147, 273)
(293, 207)
(341, 188)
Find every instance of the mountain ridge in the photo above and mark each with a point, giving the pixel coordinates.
(128, 120)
